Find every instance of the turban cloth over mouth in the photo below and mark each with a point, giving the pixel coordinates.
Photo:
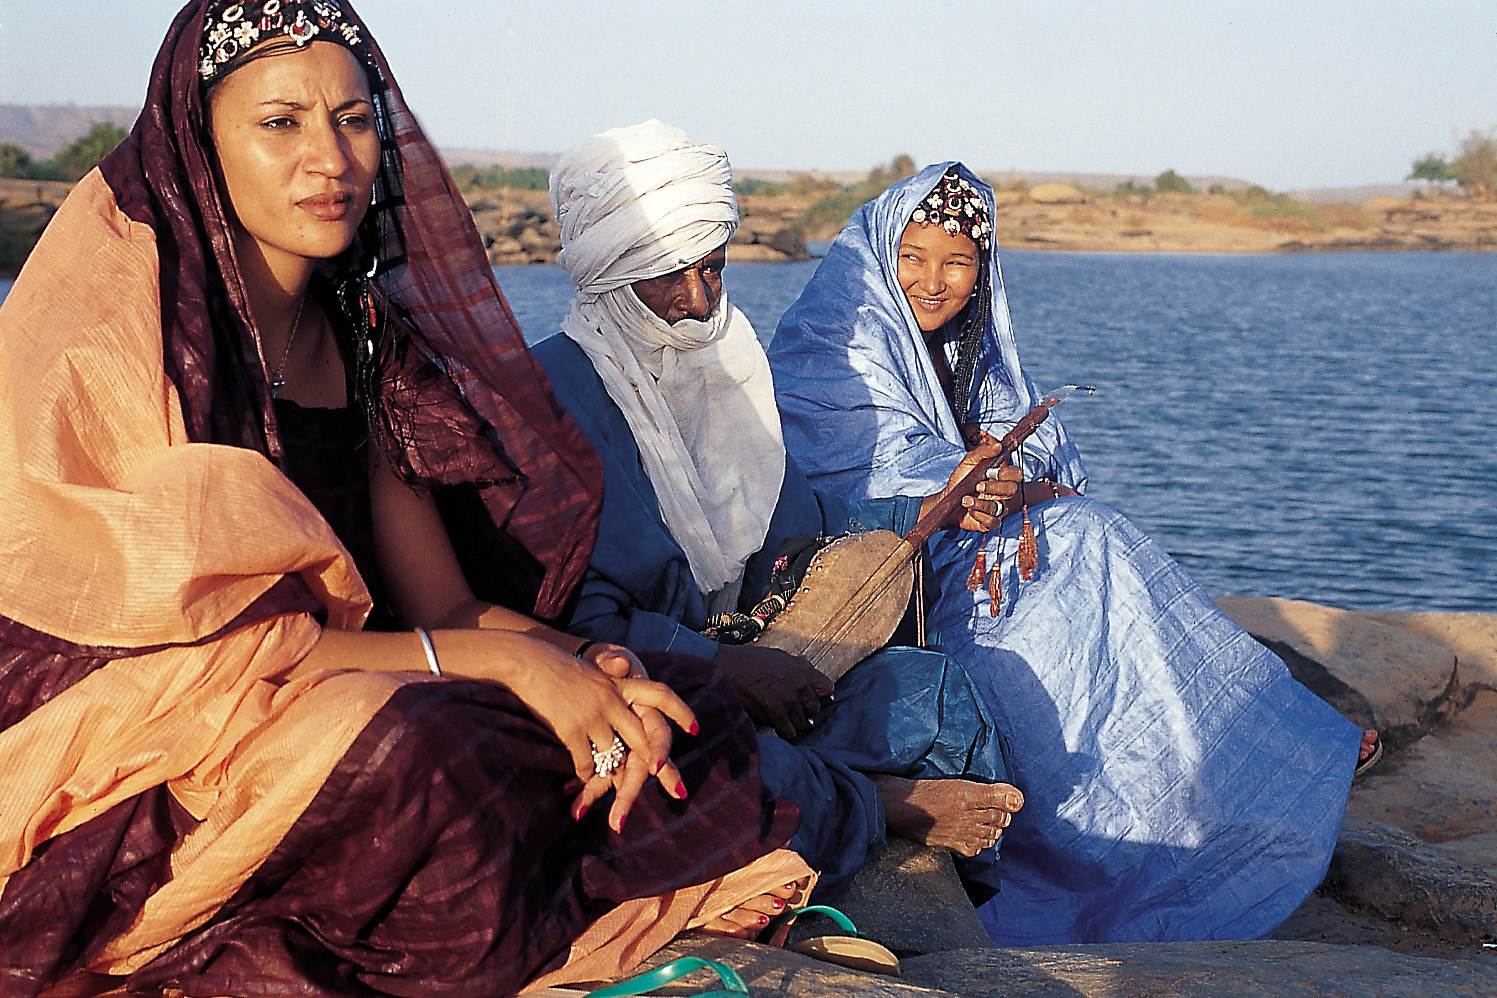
(638, 203)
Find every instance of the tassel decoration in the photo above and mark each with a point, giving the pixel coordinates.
(979, 569)
(995, 592)
(1028, 558)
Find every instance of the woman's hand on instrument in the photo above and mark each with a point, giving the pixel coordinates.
(781, 690)
(984, 506)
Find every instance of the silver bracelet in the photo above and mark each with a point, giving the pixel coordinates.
(431, 651)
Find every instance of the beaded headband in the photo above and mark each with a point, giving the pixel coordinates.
(232, 29)
(956, 206)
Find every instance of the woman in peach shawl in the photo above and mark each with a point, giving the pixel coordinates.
(212, 778)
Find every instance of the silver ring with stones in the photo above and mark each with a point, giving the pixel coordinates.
(605, 763)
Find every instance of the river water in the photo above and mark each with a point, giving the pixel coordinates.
(1320, 427)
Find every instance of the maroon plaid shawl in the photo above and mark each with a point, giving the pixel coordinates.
(539, 478)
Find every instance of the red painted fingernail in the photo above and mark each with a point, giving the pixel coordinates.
(763, 919)
(695, 729)
(578, 810)
(680, 791)
(778, 904)
(659, 765)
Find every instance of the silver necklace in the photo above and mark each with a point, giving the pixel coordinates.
(278, 379)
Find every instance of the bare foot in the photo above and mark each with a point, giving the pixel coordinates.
(749, 919)
(1369, 745)
(959, 815)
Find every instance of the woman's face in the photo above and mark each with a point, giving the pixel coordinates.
(297, 150)
(937, 272)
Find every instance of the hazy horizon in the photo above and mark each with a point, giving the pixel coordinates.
(1288, 95)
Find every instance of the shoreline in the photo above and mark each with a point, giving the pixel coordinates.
(517, 228)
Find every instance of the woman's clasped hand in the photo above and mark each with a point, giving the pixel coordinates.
(588, 702)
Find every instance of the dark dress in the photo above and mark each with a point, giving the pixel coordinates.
(438, 858)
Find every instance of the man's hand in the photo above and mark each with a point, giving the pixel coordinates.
(778, 689)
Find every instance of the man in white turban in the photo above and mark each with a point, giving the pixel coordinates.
(670, 383)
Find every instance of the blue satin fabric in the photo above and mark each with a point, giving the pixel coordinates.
(1179, 783)
(904, 712)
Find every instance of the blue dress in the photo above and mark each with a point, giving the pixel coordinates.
(904, 712)
(1179, 783)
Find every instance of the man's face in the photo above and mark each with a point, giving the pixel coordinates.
(689, 293)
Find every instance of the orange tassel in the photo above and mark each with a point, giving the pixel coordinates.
(1029, 551)
(979, 569)
(995, 593)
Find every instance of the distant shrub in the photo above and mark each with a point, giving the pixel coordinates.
(491, 178)
(835, 209)
(15, 245)
(1171, 181)
(1432, 168)
(752, 186)
(14, 161)
(1261, 203)
(17, 162)
(1475, 169)
(808, 184)
(83, 154)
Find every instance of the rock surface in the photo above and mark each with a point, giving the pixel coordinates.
(1376, 674)
(1471, 636)
(1139, 970)
(879, 903)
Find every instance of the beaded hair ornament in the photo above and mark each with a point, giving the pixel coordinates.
(956, 206)
(231, 30)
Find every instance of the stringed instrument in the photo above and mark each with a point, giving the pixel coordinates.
(855, 590)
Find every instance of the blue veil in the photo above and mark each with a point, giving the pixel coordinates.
(851, 343)
(1179, 783)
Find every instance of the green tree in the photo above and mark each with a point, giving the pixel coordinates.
(1169, 180)
(14, 161)
(84, 153)
(1475, 169)
(1432, 168)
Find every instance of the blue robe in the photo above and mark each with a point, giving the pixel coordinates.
(905, 712)
(1179, 784)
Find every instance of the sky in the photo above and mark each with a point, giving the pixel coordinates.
(1290, 94)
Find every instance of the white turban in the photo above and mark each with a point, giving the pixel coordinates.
(642, 202)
